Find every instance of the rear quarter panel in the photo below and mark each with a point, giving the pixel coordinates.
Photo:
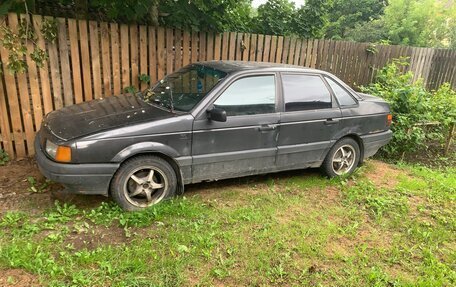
(367, 118)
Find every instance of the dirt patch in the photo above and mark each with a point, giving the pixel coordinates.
(17, 278)
(16, 196)
(384, 175)
(96, 236)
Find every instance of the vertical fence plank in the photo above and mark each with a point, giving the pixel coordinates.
(13, 103)
(210, 46)
(65, 63)
(115, 51)
(246, 48)
(55, 73)
(202, 46)
(232, 51)
(24, 96)
(194, 47)
(291, 51)
(85, 58)
(253, 47)
(160, 53)
(32, 72)
(75, 60)
(134, 56)
(143, 63)
(125, 56)
(260, 48)
(240, 46)
(106, 59)
(95, 59)
(169, 51)
(225, 45)
(6, 136)
(285, 50)
(217, 46)
(152, 35)
(186, 48)
(278, 54)
(177, 49)
(267, 48)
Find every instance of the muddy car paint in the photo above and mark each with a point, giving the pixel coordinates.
(104, 133)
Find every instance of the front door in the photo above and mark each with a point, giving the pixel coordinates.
(247, 142)
(308, 123)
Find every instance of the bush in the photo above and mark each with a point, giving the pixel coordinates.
(4, 158)
(413, 108)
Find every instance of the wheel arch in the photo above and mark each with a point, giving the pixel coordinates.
(358, 140)
(152, 149)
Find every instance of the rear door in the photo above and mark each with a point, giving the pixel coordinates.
(247, 142)
(309, 120)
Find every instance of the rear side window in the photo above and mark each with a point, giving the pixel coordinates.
(343, 97)
(249, 96)
(305, 92)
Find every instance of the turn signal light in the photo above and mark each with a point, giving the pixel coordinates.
(389, 119)
(63, 154)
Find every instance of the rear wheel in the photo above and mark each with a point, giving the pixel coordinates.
(342, 158)
(142, 182)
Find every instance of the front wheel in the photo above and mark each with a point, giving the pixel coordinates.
(342, 158)
(143, 181)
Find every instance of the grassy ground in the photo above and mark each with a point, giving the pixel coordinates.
(385, 226)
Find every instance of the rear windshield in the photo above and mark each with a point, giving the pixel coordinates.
(184, 89)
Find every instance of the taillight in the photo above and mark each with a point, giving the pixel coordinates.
(389, 119)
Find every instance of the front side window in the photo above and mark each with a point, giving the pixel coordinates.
(249, 96)
(184, 89)
(305, 92)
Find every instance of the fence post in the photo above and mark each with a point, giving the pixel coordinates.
(450, 137)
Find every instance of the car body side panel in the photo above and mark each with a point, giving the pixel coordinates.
(233, 148)
(305, 136)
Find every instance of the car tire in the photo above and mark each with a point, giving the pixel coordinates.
(143, 181)
(342, 159)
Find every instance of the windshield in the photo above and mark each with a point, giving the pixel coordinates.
(182, 90)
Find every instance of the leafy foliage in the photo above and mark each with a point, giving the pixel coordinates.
(345, 15)
(4, 157)
(16, 44)
(311, 20)
(412, 107)
(275, 17)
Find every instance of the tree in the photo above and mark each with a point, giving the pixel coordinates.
(275, 17)
(214, 15)
(344, 15)
(416, 22)
(311, 20)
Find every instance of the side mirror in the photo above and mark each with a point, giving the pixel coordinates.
(217, 115)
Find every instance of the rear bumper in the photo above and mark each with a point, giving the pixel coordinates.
(77, 178)
(373, 142)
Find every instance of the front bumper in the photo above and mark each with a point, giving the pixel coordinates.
(373, 142)
(77, 178)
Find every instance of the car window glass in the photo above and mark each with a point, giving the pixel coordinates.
(249, 96)
(305, 92)
(185, 88)
(343, 97)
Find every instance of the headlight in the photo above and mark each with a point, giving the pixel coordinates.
(51, 149)
(58, 152)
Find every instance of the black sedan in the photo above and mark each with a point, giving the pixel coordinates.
(210, 121)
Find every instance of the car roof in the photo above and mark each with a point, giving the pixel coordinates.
(231, 67)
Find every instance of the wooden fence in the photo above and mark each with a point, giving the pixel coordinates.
(91, 60)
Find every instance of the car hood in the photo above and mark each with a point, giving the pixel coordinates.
(101, 114)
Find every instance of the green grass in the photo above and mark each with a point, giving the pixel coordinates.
(296, 230)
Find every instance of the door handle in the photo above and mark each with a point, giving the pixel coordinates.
(331, 121)
(265, 128)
